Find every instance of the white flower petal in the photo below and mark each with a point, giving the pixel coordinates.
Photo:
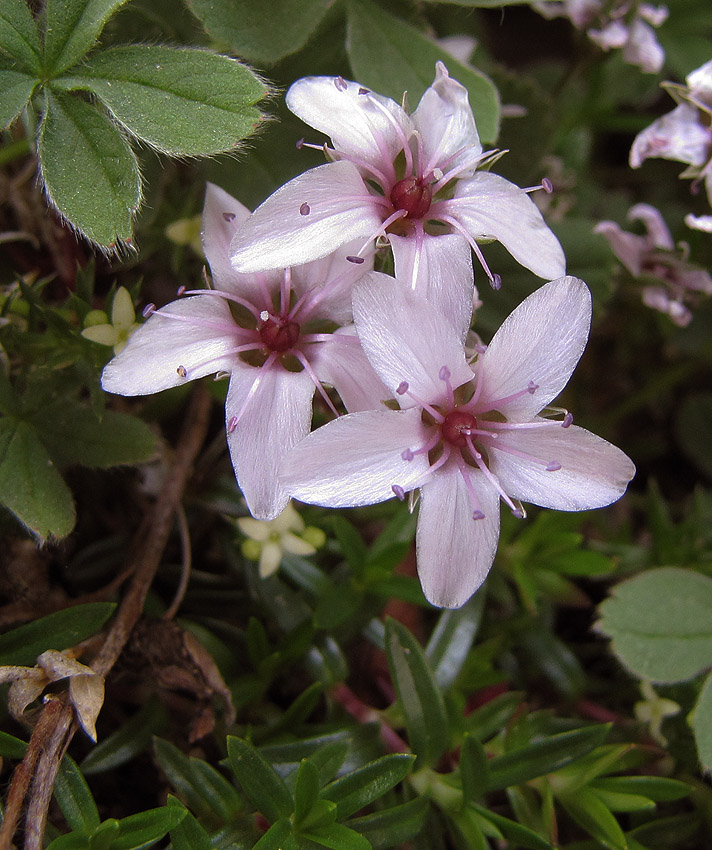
(407, 340)
(222, 216)
(270, 559)
(628, 247)
(446, 125)
(696, 222)
(643, 48)
(655, 225)
(277, 416)
(356, 459)
(438, 268)
(614, 34)
(102, 334)
(122, 310)
(306, 219)
(343, 365)
(490, 207)
(593, 472)
(679, 136)
(296, 545)
(347, 113)
(257, 529)
(700, 81)
(455, 551)
(157, 350)
(541, 341)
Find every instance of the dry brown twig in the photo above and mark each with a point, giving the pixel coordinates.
(34, 777)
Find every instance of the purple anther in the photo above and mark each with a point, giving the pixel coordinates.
(398, 491)
(547, 185)
(444, 373)
(568, 420)
(480, 348)
(228, 216)
(553, 466)
(362, 90)
(180, 292)
(402, 388)
(356, 260)
(477, 515)
(496, 282)
(340, 83)
(305, 209)
(300, 144)
(407, 454)
(182, 371)
(148, 310)
(518, 513)
(532, 387)
(232, 424)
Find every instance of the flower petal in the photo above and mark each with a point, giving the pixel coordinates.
(593, 472)
(679, 135)
(356, 459)
(222, 216)
(200, 342)
(307, 218)
(341, 362)
(541, 341)
(277, 416)
(643, 49)
(654, 223)
(490, 207)
(629, 248)
(439, 269)
(407, 340)
(446, 125)
(455, 551)
(351, 116)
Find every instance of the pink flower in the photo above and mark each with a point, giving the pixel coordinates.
(466, 436)
(409, 178)
(654, 257)
(685, 134)
(258, 329)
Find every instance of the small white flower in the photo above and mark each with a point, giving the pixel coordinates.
(123, 323)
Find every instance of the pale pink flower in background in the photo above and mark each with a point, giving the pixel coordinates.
(412, 179)
(699, 222)
(264, 331)
(466, 436)
(685, 134)
(655, 256)
(615, 25)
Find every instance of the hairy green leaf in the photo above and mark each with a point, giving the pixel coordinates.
(71, 29)
(181, 101)
(701, 722)
(90, 173)
(19, 38)
(15, 90)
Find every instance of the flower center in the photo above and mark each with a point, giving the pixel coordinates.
(457, 427)
(412, 195)
(278, 333)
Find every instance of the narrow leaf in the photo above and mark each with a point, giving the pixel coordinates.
(336, 836)
(306, 790)
(75, 799)
(474, 769)
(361, 787)
(30, 485)
(517, 833)
(658, 788)
(181, 101)
(392, 57)
(451, 640)
(261, 784)
(11, 747)
(189, 834)
(181, 774)
(418, 693)
(595, 817)
(278, 837)
(100, 198)
(544, 756)
(146, 828)
(60, 630)
(19, 38)
(15, 90)
(129, 740)
(394, 826)
(221, 794)
(71, 29)
(493, 715)
(260, 38)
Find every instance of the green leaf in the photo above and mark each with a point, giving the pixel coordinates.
(658, 788)
(71, 29)
(104, 835)
(189, 834)
(595, 817)
(130, 739)
(306, 790)
(701, 722)
(145, 828)
(18, 34)
(474, 769)
(15, 90)
(362, 786)
(278, 837)
(693, 426)
(394, 826)
(336, 836)
(30, 485)
(391, 57)
(418, 694)
(74, 435)
(544, 756)
(75, 799)
(100, 198)
(261, 784)
(260, 38)
(489, 718)
(517, 833)
(351, 543)
(60, 630)
(182, 776)
(452, 638)
(70, 841)
(661, 623)
(11, 747)
(181, 101)
(221, 795)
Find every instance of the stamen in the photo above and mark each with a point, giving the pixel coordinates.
(443, 178)
(227, 327)
(568, 420)
(305, 209)
(317, 383)
(530, 389)
(381, 230)
(363, 91)
(180, 292)
(182, 371)
(495, 280)
(227, 296)
(409, 454)
(238, 349)
(553, 466)
(148, 310)
(398, 491)
(479, 460)
(340, 83)
(462, 466)
(549, 465)
(545, 184)
(444, 375)
(228, 216)
(402, 138)
(356, 260)
(261, 372)
(231, 425)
